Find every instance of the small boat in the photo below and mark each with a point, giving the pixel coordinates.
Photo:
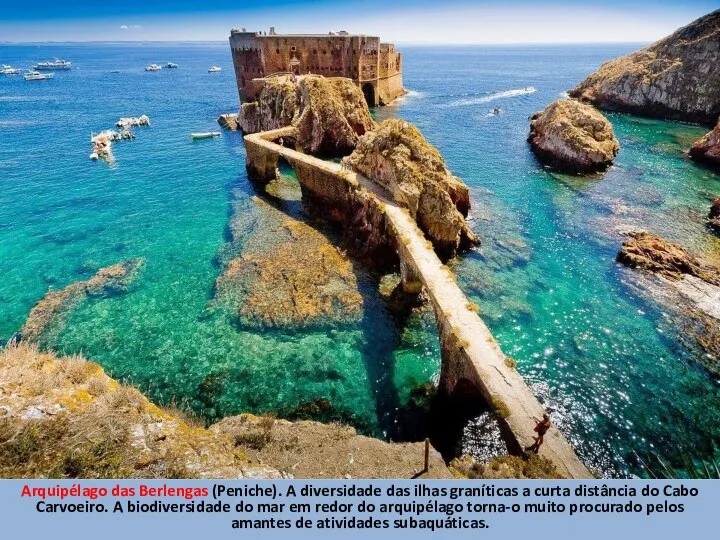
(116, 71)
(9, 70)
(37, 76)
(497, 110)
(215, 69)
(55, 64)
(171, 65)
(205, 135)
(153, 67)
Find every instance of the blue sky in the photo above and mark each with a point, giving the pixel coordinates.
(401, 21)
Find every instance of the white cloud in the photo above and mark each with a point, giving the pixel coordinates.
(131, 27)
(124, 27)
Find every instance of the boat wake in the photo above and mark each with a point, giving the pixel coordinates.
(487, 98)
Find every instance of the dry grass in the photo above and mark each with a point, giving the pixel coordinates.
(505, 467)
(510, 362)
(67, 419)
(472, 306)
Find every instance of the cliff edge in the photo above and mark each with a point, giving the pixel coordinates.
(676, 78)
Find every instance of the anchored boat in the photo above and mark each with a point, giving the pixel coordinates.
(55, 64)
(37, 76)
(205, 135)
(171, 65)
(215, 69)
(9, 70)
(153, 67)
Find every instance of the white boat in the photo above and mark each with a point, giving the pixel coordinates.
(215, 69)
(9, 70)
(205, 135)
(171, 65)
(55, 64)
(153, 67)
(37, 76)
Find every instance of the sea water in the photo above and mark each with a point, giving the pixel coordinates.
(609, 365)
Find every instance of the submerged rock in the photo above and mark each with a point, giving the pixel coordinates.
(573, 137)
(397, 157)
(330, 113)
(55, 304)
(302, 282)
(677, 77)
(707, 148)
(648, 252)
(689, 290)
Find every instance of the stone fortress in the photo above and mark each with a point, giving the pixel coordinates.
(374, 66)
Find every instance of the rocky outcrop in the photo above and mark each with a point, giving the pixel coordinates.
(677, 78)
(714, 215)
(55, 304)
(397, 157)
(229, 121)
(573, 137)
(688, 290)
(65, 418)
(707, 148)
(330, 113)
(648, 252)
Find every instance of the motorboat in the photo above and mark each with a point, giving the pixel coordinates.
(9, 70)
(171, 65)
(153, 67)
(37, 76)
(55, 64)
(496, 110)
(205, 135)
(215, 69)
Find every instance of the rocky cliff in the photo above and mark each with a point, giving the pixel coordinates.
(66, 418)
(707, 148)
(397, 157)
(677, 77)
(330, 113)
(573, 137)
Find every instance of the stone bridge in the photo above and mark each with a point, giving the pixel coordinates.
(472, 361)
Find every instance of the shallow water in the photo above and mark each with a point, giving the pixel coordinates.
(608, 364)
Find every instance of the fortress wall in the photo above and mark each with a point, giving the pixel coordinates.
(351, 56)
(390, 88)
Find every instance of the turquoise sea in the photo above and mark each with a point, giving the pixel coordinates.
(609, 364)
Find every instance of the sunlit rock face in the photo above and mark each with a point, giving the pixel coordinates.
(397, 157)
(330, 113)
(573, 137)
(677, 78)
(707, 148)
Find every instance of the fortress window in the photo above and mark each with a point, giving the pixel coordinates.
(314, 51)
(277, 51)
(292, 48)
